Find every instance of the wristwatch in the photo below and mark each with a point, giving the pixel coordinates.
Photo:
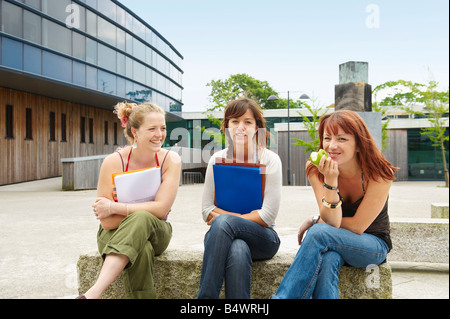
(315, 219)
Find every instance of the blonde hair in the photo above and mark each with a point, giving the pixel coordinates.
(132, 115)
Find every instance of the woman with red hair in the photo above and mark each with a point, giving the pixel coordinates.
(351, 187)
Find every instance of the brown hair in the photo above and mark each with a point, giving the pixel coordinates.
(132, 115)
(239, 107)
(372, 161)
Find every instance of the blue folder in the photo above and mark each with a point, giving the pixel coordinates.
(239, 188)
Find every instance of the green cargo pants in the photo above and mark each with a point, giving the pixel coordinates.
(141, 236)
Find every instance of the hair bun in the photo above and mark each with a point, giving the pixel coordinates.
(123, 111)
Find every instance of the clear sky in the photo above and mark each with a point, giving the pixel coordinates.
(298, 45)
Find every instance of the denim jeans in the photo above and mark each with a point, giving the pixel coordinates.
(230, 246)
(324, 250)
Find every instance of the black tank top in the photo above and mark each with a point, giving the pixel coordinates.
(380, 227)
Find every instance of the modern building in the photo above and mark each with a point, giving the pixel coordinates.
(414, 153)
(63, 66)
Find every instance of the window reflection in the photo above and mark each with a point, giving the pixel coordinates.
(32, 59)
(56, 37)
(32, 27)
(56, 67)
(12, 19)
(107, 58)
(98, 41)
(107, 82)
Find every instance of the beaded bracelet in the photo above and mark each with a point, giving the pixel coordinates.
(331, 205)
(330, 187)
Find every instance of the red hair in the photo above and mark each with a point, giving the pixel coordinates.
(373, 163)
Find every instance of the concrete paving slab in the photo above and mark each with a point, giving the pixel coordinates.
(44, 230)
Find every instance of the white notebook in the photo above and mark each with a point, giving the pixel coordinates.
(137, 186)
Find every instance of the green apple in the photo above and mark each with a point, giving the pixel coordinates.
(316, 156)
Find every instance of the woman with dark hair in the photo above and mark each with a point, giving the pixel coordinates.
(351, 187)
(234, 240)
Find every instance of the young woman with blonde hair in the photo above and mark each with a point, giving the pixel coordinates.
(130, 235)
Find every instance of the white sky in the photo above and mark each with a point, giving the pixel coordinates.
(298, 45)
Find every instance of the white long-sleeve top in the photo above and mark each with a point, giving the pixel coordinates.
(272, 192)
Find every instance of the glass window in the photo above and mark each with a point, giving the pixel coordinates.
(107, 8)
(128, 21)
(91, 51)
(32, 27)
(79, 46)
(12, 53)
(149, 36)
(120, 17)
(91, 131)
(148, 76)
(52, 127)
(79, 73)
(56, 8)
(129, 89)
(121, 44)
(56, 67)
(56, 37)
(63, 127)
(34, 4)
(91, 23)
(120, 63)
(424, 159)
(115, 133)
(160, 83)
(32, 61)
(91, 77)
(139, 28)
(28, 124)
(107, 82)
(76, 17)
(142, 93)
(129, 67)
(106, 133)
(12, 19)
(9, 121)
(92, 3)
(148, 55)
(107, 58)
(138, 72)
(121, 87)
(138, 50)
(106, 31)
(129, 43)
(82, 129)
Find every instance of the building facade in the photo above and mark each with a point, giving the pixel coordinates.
(63, 66)
(414, 153)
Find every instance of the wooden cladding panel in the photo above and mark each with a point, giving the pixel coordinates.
(25, 160)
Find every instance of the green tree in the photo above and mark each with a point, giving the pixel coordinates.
(311, 124)
(406, 94)
(237, 85)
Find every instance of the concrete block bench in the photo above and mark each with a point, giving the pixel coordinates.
(177, 276)
(81, 173)
(420, 240)
(439, 210)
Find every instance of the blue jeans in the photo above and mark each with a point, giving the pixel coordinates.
(324, 250)
(230, 246)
